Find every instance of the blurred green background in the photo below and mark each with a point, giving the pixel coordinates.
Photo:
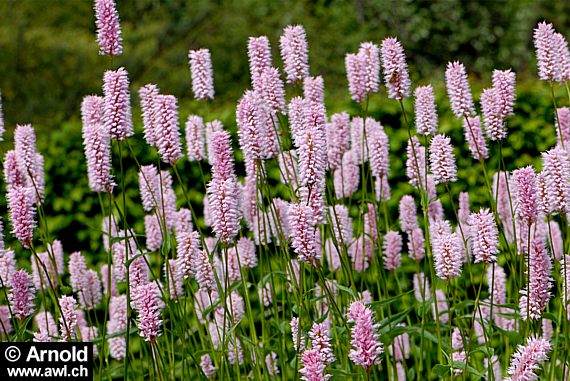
(49, 60)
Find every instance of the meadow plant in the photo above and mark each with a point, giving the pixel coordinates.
(289, 257)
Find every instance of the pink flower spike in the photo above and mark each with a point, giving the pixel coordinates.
(259, 55)
(494, 122)
(117, 118)
(562, 123)
(98, 154)
(167, 130)
(526, 194)
(91, 110)
(366, 349)
(535, 298)
(223, 202)
(408, 214)
(484, 236)
(448, 257)
(415, 162)
(68, 318)
(22, 212)
(148, 95)
(195, 140)
(321, 341)
(504, 87)
(474, 137)
(148, 306)
(556, 171)
(392, 247)
(313, 367)
(458, 90)
(314, 89)
(302, 223)
(442, 161)
(22, 294)
(395, 69)
(294, 52)
(416, 244)
(527, 359)
(563, 55)
(371, 57)
(207, 366)
(272, 91)
(202, 74)
(356, 75)
(425, 109)
(546, 52)
(108, 28)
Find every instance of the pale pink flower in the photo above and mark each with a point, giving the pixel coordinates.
(347, 177)
(338, 138)
(416, 244)
(22, 212)
(302, 222)
(187, 249)
(526, 194)
(314, 89)
(271, 90)
(195, 141)
(484, 236)
(474, 137)
(495, 126)
(447, 256)
(153, 232)
(148, 306)
(367, 348)
(298, 339)
(392, 247)
(202, 74)
(97, 145)
(441, 159)
(546, 52)
(271, 364)
(321, 341)
(396, 74)
(422, 290)
(68, 318)
(259, 55)
(294, 52)
(46, 326)
(534, 299)
(360, 252)
(117, 117)
(12, 174)
(21, 295)
(528, 359)
(562, 124)
(458, 90)
(415, 162)
(207, 366)
(356, 74)
(167, 130)
(408, 214)
(148, 95)
(504, 87)
(7, 266)
(425, 109)
(371, 57)
(108, 28)
(556, 172)
(379, 148)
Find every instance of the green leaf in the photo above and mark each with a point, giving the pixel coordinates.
(441, 370)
